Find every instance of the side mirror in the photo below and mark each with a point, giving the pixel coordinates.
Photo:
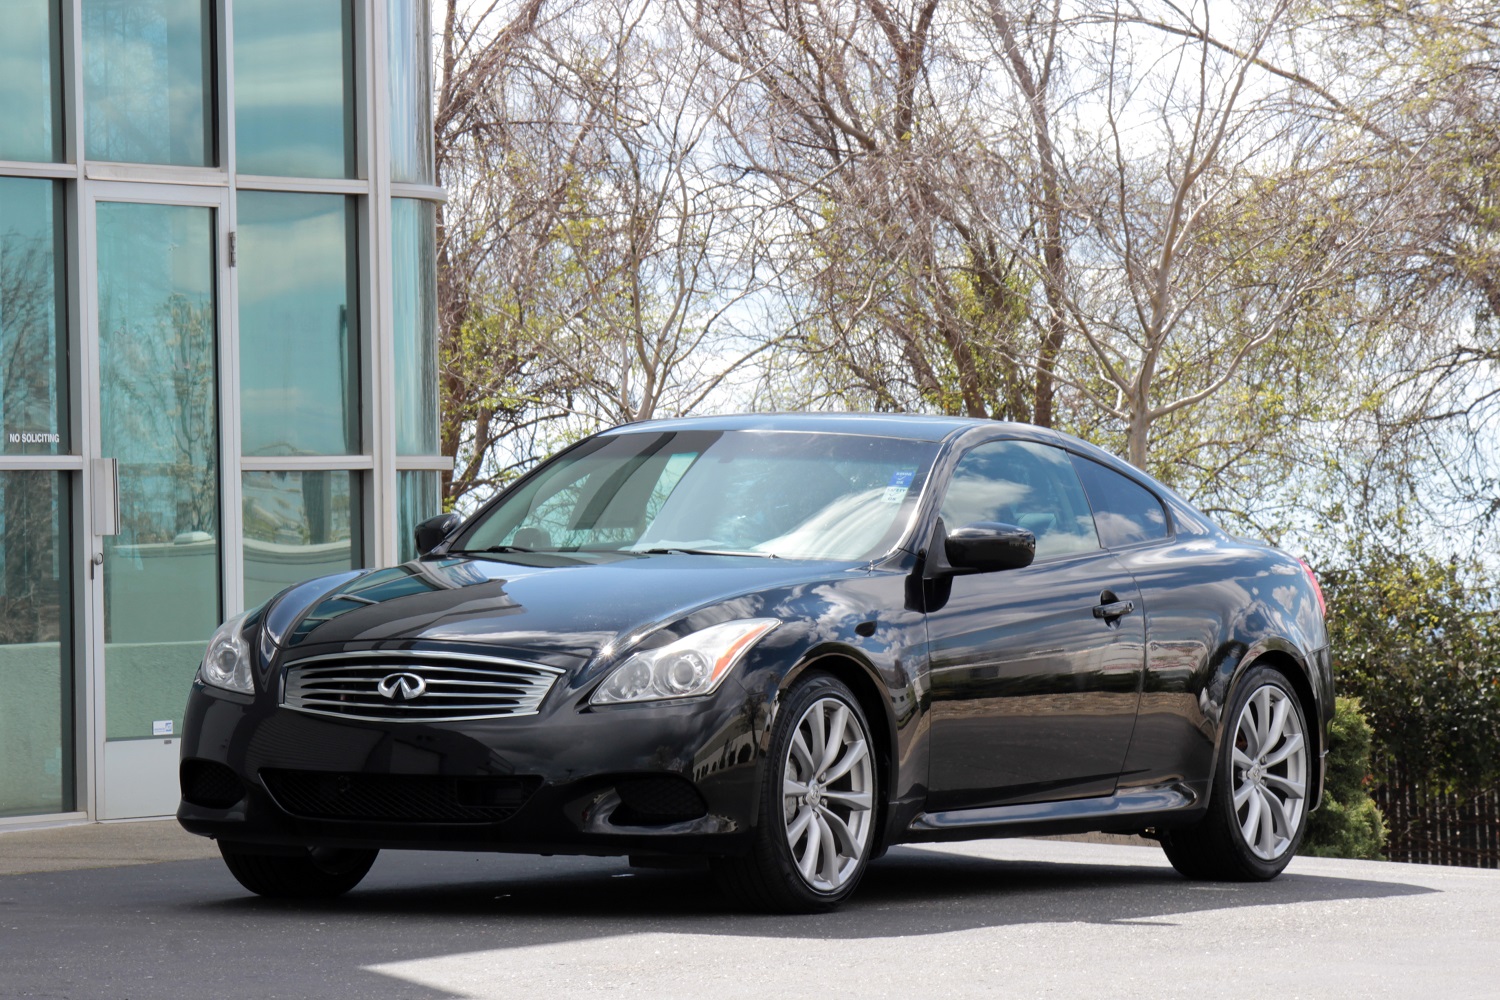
(433, 530)
(985, 546)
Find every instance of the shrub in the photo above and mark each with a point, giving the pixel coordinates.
(1349, 824)
(1417, 641)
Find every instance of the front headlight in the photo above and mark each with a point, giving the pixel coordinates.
(692, 666)
(227, 663)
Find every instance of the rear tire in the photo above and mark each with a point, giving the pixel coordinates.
(818, 806)
(1257, 808)
(321, 873)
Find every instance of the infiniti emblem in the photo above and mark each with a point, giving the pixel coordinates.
(402, 686)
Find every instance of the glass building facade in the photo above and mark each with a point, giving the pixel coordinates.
(218, 369)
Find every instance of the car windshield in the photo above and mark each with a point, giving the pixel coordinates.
(783, 494)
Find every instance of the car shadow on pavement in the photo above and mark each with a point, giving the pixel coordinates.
(185, 929)
(898, 897)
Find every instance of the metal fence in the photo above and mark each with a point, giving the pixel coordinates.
(1438, 828)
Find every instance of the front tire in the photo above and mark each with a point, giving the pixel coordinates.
(817, 807)
(1257, 809)
(321, 873)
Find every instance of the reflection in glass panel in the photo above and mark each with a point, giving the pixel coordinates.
(158, 403)
(416, 501)
(410, 90)
(414, 271)
(1125, 512)
(30, 81)
(1026, 484)
(299, 366)
(148, 81)
(36, 655)
(298, 525)
(33, 351)
(292, 86)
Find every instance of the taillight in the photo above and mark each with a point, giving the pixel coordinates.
(1317, 588)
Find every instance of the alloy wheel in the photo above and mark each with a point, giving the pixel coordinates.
(1270, 772)
(828, 794)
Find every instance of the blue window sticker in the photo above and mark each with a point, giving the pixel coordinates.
(895, 490)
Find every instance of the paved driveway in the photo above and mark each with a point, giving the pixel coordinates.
(996, 919)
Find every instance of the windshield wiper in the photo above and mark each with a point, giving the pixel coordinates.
(355, 598)
(485, 551)
(678, 550)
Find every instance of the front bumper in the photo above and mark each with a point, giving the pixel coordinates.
(675, 778)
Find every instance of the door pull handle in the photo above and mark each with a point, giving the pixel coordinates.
(1114, 610)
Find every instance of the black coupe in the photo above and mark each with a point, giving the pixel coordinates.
(776, 645)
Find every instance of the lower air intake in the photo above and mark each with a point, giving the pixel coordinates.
(397, 798)
(210, 784)
(656, 800)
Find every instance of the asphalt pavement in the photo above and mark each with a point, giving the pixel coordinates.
(1011, 918)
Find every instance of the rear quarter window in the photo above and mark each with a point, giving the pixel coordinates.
(1125, 512)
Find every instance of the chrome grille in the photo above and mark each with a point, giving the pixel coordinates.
(457, 687)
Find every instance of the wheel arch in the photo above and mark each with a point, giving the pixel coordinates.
(861, 679)
(1284, 658)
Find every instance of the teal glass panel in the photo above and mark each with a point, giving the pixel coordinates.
(36, 650)
(148, 84)
(408, 39)
(416, 501)
(159, 418)
(30, 81)
(414, 295)
(298, 525)
(299, 360)
(33, 330)
(293, 107)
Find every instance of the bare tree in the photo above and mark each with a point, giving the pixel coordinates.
(1416, 89)
(1223, 247)
(599, 264)
(500, 161)
(868, 123)
(661, 236)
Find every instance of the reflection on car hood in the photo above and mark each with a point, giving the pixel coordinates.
(562, 613)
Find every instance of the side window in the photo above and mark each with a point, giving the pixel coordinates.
(1124, 511)
(1028, 485)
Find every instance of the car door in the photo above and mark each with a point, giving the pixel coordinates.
(1188, 597)
(1034, 672)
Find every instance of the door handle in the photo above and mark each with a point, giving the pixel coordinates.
(1113, 610)
(106, 483)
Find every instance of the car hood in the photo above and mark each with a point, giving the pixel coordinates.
(551, 609)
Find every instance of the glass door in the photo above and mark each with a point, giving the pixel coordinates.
(157, 302)
(37, 479)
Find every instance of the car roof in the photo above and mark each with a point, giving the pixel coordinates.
(919, 427)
